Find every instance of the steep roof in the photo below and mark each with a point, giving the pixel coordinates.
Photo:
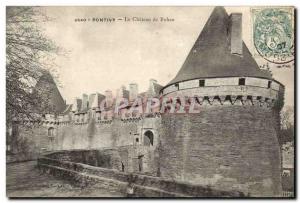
(211, 55)
(47, 87)
(67, 109)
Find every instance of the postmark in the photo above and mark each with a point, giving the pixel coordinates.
(273, 33)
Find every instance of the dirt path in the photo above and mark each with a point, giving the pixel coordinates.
(25, 180)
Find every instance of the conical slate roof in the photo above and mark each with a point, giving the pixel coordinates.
(211, 56)
(47, 87)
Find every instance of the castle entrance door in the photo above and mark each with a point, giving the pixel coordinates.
(141, 163)
(148, 138)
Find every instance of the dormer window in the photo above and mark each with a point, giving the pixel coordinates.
(201, 83)
(242, 81)
(269, 84)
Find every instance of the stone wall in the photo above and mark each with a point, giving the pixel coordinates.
(95, 134)
(122, 158)
(109, 158)
(144, 186)
(90, 135)
(27, 142)
(225, 86)
(226, 146)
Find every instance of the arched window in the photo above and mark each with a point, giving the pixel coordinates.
(51, 132)
(148, 138)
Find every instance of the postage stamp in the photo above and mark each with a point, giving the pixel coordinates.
(273, 33)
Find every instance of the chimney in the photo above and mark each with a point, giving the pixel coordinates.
(235, 33)
(85, 101)
(76, 104)
(100, 98)
(120, 91)
(151, 91)
(93, 103)
(108, 97)
(133, 91)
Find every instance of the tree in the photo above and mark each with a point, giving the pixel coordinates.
(287, 125)
(29, 53)
(287, 117)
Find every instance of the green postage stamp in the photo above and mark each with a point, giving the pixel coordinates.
(273, 33)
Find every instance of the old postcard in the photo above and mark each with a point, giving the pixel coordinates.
(141, 102)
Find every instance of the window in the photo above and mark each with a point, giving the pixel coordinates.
(123, 167)
(176, 85)
(148, 138)
(242, 81)
(51, 132)
(269, 84)
(201, 83)
(137, 139)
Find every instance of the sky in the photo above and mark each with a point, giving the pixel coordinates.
(107, 55)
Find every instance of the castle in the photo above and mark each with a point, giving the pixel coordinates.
(230, 143)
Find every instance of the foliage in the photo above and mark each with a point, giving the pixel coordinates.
(28, 56)
(286, 133)
(287, 117)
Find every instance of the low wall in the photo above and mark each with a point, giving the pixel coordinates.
(144, 186)
(123, 158)
(101, 158)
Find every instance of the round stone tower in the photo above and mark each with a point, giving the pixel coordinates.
(232, 143)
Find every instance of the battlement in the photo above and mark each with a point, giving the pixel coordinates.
(51, 120)
(228, 91)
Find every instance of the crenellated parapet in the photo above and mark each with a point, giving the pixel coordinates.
(228, 91)
(241, 100)
(46, 123)
(50, 121)
(105, 121)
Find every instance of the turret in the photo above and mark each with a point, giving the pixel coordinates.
(232, 141)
